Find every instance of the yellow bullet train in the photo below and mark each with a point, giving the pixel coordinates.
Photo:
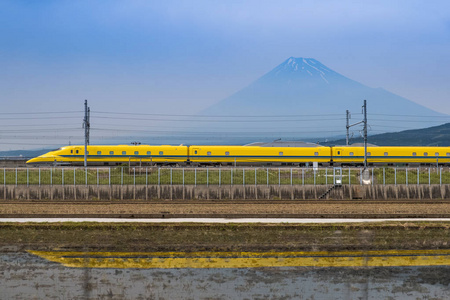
(264, 154)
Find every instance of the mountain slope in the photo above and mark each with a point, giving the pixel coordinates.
(433, 136)
(319, 97)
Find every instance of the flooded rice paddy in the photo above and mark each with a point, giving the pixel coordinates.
(28, 276)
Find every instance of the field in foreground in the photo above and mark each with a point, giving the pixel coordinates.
(229, 237)
(228, 208)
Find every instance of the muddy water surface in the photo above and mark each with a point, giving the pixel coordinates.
(26, 276)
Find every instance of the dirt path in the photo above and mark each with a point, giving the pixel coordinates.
(313, 209)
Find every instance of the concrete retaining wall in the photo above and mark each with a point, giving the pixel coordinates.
(275, 192)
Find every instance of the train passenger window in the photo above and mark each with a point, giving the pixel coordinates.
(161, 153)
(209, 153)
(111, 152)
(385, 154)
(99, 152)
(316, 153)
(149, 153)
(195, 152)
(71, 151)
(448, 154)
(351, 153)
(369, 154)
(436, 154)
(136, 152)
(339, 152)
(77, 151)
(124, 152)
(227, 153)
(425, 154)
(414, 153)
(281, 153)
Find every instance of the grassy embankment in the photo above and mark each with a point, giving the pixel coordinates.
(212, 176)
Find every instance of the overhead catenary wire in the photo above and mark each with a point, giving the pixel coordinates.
(212, 116)
(220, 121)
(40, 112)
(120, 125)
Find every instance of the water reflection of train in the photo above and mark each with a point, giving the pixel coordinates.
(280, 154)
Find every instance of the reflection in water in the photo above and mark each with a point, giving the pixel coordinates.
(208, 259)
(26, 276)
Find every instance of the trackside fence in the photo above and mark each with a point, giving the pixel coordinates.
(223, 176)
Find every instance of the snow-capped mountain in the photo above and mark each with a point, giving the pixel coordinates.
(305, 87)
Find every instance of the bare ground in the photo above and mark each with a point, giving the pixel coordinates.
(214, 208)
(225, 237)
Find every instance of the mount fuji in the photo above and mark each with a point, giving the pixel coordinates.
(319, 97)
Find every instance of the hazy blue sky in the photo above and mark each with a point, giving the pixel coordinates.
(182, 56)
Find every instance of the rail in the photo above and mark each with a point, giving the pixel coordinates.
(223, 176)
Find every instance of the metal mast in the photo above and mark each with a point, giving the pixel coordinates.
(364, 121)
(365, 133)
(348, 127)
(86, 125)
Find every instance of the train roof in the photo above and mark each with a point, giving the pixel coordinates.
(284, 144)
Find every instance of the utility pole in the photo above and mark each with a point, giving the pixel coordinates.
(347, 126)
(365, 134)
(86, 125)
(364, 121)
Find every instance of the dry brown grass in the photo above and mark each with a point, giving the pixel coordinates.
(209, 208)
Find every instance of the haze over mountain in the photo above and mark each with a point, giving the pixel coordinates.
(432, 136)
(319, 97)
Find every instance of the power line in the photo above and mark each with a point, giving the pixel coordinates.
(38, 118)
(221, 121)
(211, 116)
(34, 125)
(40, 113)
(38, 130)
(415, 116)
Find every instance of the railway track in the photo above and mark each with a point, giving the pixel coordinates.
(224, 202)
(227, 216)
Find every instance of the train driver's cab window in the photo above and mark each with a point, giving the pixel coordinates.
(111, 152)
(316, 153)
(136, 152)
(124, 152)
(436, 154)
(281, 153)
(227, 153)
(448, 153)
(414, 153)
(149, 153)
(351, 153)
(161, 152)
(425, 154)
(99, 152)
(385, 154)
(208, 153)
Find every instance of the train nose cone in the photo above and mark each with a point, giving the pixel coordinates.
(42, 160)
(33, 160)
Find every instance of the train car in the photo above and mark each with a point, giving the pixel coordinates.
(114, 155)
(351, 155)
(254, 155)
(266, 154)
